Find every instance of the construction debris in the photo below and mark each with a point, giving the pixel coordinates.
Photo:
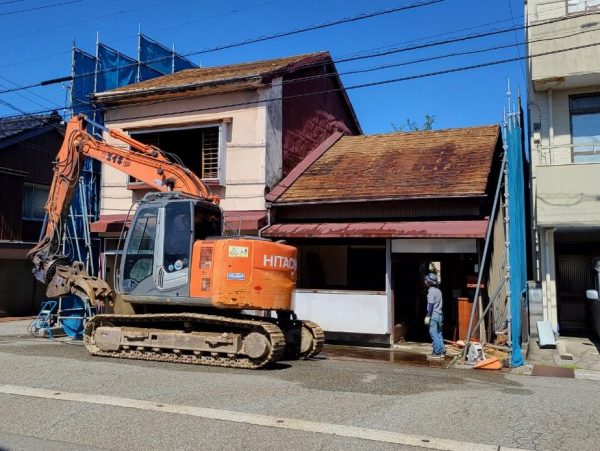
(480, 355)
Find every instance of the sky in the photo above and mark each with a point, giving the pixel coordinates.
(36, 38)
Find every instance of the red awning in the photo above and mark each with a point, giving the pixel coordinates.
(110, 223)
(246, 221)
(416, 229)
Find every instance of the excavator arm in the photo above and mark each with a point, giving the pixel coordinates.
(144, 162)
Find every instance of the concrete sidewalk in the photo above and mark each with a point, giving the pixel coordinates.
(580, 354)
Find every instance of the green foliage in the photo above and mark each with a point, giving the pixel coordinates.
(413, 126)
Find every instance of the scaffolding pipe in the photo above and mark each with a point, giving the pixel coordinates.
(485, 252)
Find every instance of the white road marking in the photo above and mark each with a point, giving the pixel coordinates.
(369, 378)
(255, 419)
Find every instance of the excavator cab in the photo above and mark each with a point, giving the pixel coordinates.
(158, 248)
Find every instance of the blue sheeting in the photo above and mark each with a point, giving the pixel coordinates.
(114, 69)
(516, 233)
(156, 56)
(110, 69)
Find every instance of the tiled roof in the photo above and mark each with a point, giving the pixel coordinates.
(441, 163)
(14, 125)
(195, 78)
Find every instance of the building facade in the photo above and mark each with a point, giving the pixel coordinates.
(241, 128)
(371, 215)
(28, 147)
(564, 119)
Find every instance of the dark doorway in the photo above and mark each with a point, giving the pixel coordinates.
(574, 275)
(410, 295)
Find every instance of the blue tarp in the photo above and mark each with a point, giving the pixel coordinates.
(180, 63)
(84, 71)
(111, 69)
(516, 233)
(114, 69)
(155, 55)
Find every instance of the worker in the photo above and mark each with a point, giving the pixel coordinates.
(434, 316)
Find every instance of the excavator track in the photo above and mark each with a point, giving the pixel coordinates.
(228, 346)
(317, 339)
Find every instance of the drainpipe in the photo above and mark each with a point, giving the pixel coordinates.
(550, 125)
(262, 229)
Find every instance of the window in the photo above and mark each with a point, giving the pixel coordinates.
(139, 258)
(178, 234)
(575, 6)
(585, 128)
(342, 267)
(198, 148)
(34, 199)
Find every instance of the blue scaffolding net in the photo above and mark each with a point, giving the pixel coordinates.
(517, 257)
(107, 69)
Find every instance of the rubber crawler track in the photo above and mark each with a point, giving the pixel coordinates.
(235, 325)
(319, 338)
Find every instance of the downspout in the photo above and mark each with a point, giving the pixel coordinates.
(262, 229)
(550, 125)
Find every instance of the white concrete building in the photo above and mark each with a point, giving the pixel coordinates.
(564, 119)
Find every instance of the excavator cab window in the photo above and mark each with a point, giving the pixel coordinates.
(207, 221)
(139, 256)
(178, 235)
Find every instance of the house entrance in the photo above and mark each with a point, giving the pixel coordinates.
(410, 295)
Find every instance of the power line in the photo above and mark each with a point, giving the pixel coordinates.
(386, 66)
(354, 87)
(77, 22)
(362, 16)
(37, 8)
(11, 1)
(516, 38)
(341, 60)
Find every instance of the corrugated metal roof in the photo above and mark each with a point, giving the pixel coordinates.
(195, 78)
(14, 125)
(440, 163)
(416, 229)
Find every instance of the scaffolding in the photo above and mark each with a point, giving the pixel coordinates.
(506, 309)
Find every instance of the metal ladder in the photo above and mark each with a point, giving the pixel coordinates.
(44, 319)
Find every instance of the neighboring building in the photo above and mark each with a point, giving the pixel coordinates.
(28, 147)
(564, 117)
(371, 215)
(241, 128)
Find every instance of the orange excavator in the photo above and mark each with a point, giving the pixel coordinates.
(184, 292)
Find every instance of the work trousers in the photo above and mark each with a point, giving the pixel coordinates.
(435, 331)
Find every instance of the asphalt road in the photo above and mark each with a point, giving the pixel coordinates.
(54, 396)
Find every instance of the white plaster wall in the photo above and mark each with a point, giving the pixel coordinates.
(565, 193)
(344, 311)
(568, 195)
(246, 145)
(563, 64)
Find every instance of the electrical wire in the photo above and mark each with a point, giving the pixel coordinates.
(365, 55)
(516, 38)
(368, 69)
(37, 8)
(350, 19)
(365, 85)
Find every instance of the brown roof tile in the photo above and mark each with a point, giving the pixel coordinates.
(194, 78)
(452, 162)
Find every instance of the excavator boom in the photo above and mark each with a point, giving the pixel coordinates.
(144, 162)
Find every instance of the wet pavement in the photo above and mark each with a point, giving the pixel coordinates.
(397, 357)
